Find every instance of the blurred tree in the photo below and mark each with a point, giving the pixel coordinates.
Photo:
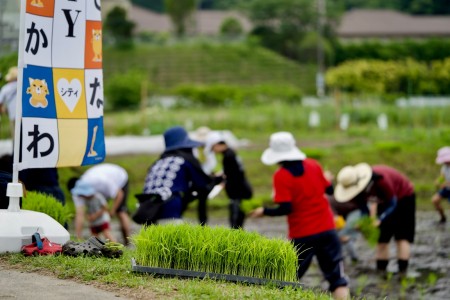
(119, 27)
(282, 24)
(231, 27)
(419, 7)
(155, 5)
(179, 12)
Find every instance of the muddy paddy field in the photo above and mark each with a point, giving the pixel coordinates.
(429, 268)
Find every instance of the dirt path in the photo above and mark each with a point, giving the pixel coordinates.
(429, 272)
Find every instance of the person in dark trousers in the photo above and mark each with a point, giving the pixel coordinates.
(299, 188)
(236, 184)
(177, 177)
(390, 200)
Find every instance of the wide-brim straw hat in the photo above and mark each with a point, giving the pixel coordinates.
(282, 148)
(443, 155)
(352, 180)
(12, 74)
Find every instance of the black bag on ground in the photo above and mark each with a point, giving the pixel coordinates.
(149, 209)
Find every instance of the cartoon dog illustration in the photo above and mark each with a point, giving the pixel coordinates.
(38, 90)
(37, 3)
(97, 44)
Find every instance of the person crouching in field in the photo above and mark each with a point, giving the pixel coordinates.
(299, 188)
(443, 158)
(391, 201)
(96, 208)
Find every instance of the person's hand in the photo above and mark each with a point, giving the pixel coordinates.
(328, 175)
(112, 213)
(376, 222)
(257, 213)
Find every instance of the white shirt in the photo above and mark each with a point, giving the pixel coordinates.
(107, 179)
(445, 170)
(8, 95)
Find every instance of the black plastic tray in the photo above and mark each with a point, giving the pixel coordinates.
(215, 276)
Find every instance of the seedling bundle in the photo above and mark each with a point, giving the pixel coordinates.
(46, 204)
(207, 251)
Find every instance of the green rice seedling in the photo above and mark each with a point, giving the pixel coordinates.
(368, 230)
(248, 205)
(216, 249)
(48, 205)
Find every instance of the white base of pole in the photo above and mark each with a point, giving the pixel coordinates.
(17, 227)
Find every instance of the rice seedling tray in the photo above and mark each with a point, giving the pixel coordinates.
(165, 272)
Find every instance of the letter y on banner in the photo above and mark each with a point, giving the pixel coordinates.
(61, 106)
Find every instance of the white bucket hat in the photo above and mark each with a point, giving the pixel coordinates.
(213, 138)
(352, 180)
(12, 74)
(443, 155)
(282, 148)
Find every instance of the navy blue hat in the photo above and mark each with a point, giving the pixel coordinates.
(177, 138)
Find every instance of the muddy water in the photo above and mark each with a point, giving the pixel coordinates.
(428, 275)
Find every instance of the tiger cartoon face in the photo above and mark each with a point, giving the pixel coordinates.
(97, 44)
(38, 90)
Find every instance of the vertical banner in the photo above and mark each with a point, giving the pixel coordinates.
(62, 84)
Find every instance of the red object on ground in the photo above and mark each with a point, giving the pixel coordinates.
(48, 248)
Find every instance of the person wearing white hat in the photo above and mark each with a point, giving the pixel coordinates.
(389, 197)
(236, 184)
(8, 95)
(443, 181)
(299, 188)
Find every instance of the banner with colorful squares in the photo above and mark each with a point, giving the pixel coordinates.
(62, 85)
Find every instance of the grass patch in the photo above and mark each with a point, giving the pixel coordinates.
(216, 249)
(116, 275)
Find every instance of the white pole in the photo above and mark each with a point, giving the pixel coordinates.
(15, 190)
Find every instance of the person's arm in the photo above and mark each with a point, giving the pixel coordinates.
(94, 216)
(79, 221)
(389, 210)
(282, 209)
(117, 201)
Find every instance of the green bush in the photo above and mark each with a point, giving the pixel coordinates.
(223, 94)
(404, 77)
(48, 205)
(231, 27)
(426, 51)
(123, 90)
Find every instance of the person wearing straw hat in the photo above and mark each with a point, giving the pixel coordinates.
(299, 188)
(389, 197)
(8, 95)
(177, 176)
(443, 181)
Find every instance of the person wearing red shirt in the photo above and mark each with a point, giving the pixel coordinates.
(388, 196)
(299, 190)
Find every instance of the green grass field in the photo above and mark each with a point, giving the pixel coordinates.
(205, 63)
(410, 145)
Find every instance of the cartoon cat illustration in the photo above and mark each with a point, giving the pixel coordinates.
(97, 44)
(37, 3)
(38, 90)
